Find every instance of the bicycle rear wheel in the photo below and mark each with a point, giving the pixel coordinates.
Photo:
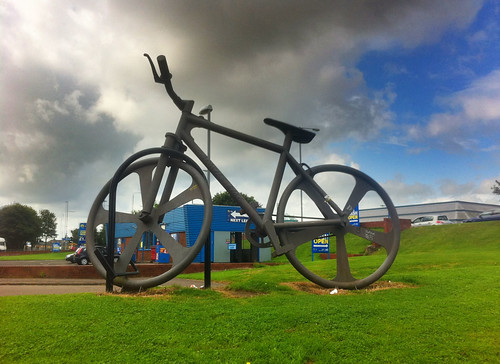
(190, 187)
(342, 262)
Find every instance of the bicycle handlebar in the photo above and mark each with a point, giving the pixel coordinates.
(165, 79)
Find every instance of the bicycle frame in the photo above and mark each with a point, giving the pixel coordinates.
(284, 236)
(188, 122)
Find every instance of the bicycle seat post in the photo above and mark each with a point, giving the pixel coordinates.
(268, 224)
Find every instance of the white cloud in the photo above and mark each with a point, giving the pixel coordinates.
(481, 101)
(402, 192)
(471, 114)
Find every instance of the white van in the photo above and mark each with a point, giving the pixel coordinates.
(3, 246)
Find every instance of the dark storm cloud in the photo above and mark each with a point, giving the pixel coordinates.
(52, 136)
(237, 29)
(293, 60)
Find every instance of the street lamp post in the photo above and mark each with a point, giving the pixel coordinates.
(300, 161)
(133, 194)
(207, 110)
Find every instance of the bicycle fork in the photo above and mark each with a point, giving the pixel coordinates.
(171, 142)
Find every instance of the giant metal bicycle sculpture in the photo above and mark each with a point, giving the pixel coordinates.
(172, 179)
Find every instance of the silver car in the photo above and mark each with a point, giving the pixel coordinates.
(431, 220)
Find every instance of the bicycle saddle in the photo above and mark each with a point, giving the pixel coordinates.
(299, 135)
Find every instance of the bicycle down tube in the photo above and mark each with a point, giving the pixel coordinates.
(189, 121)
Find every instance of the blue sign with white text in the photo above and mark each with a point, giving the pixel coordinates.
(82, 233)
(235, 216)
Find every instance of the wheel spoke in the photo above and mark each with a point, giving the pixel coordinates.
(303, 232)
(128, 252)
(145, 179)
(343, 268)
(102, 217)
(174, 248)
(189, 194)
(357, 194)
(122, 217)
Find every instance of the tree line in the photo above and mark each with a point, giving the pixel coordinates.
(21, 223)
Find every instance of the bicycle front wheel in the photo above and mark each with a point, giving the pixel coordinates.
(341, 255)
(136, 237)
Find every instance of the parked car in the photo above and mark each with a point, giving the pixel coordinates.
(3, 245)
(82, 258)
(485, 216)
(431, 220)
(70, 258)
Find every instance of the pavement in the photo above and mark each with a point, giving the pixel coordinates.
(61, 277)
(44, 286)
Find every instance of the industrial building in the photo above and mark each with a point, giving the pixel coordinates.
(457, 211)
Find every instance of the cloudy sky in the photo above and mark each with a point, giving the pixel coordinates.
(408, 92)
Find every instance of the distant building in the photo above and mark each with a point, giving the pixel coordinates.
(455, 210)
(228, 241)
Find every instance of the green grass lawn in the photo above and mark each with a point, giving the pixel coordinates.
(443, 307)
(37, 256)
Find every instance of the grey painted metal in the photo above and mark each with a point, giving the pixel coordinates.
(284, 236)
(339, 228)
(182, 256)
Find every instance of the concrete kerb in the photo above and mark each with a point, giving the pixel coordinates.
(75, 275)
(92, 282)
(73, 271)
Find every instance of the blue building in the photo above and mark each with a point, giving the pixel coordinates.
(229, 243)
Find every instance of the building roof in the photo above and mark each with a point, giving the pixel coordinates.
(455, 210)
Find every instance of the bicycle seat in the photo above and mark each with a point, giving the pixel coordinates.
(299, 135)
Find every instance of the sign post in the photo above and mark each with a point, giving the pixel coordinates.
(82, 232)
(321, 245)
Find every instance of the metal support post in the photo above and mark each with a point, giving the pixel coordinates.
(208, 261)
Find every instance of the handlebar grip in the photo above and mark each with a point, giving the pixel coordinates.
(165, 78)
(164, 72)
